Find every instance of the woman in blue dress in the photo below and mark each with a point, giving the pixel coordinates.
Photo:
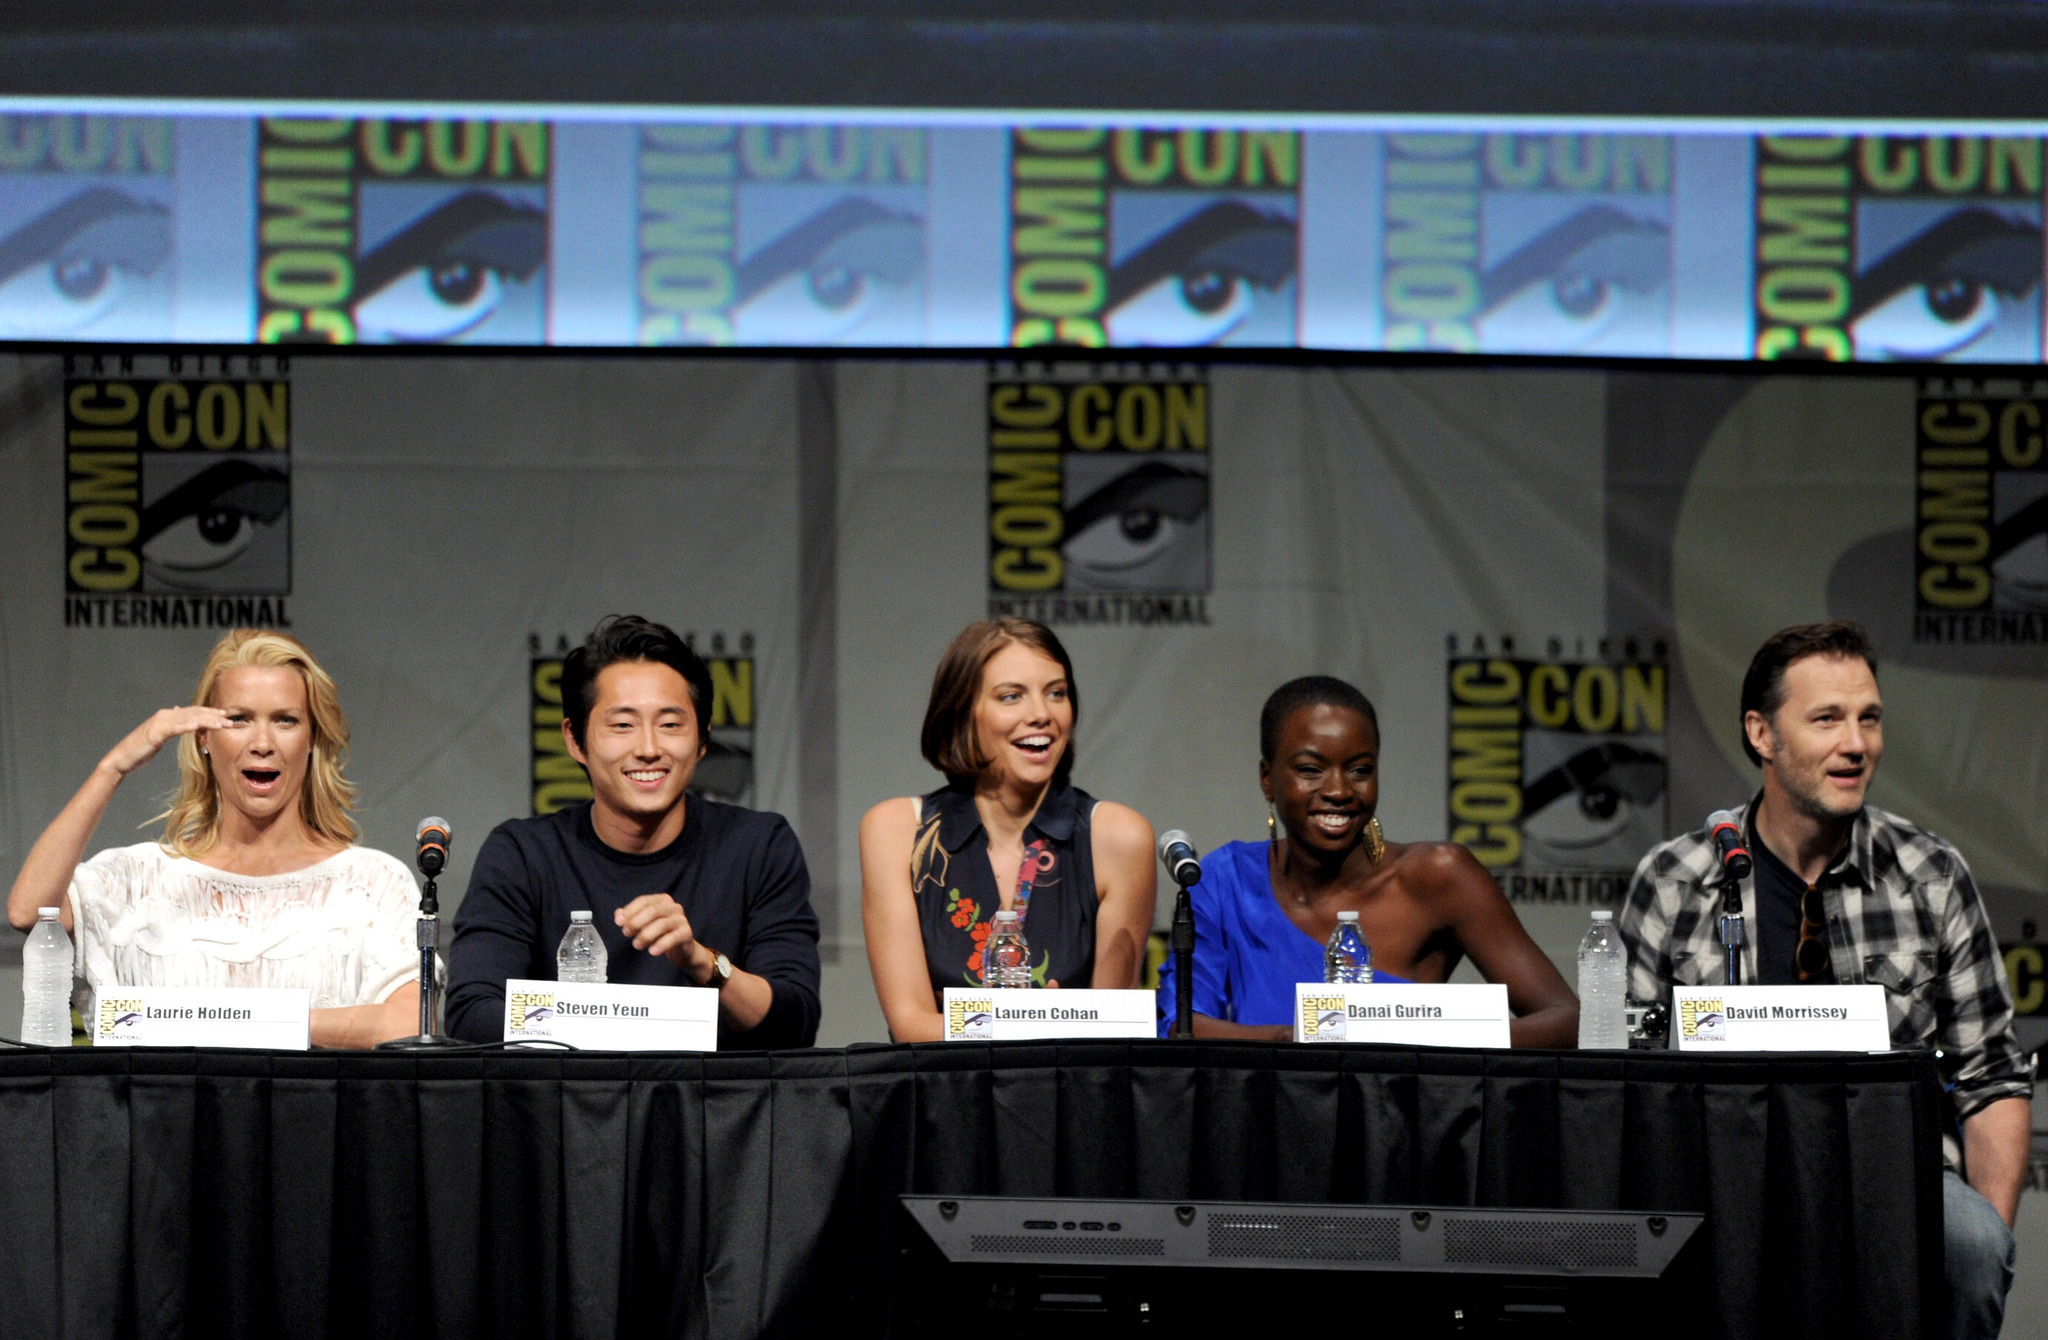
(1264, 910)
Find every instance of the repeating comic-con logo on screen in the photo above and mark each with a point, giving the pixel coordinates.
(1882, 247)
(86, 234)
(1526, 243)
(791, 235)
(1098, 496)
(382, 231)
(1557, 766)
(1981, 555)
(726, 772)
(1143, 237)
(177, 491)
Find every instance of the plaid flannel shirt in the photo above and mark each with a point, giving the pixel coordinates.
(1902, 912)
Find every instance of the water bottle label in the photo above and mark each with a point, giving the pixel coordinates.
(600, 1016)
(990, 1014)
(1461, 1015)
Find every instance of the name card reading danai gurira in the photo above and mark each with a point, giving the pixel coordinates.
(276, 1018)
(1467, 1014)
(980, 1014)
(1780, 1019)
(597, 1016)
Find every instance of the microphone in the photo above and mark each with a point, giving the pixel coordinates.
(1177, 854)
(1726, 829)
(433, 839)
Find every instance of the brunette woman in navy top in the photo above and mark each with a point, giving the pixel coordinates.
(1264, 910)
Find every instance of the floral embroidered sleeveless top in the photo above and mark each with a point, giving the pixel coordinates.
(957, 901)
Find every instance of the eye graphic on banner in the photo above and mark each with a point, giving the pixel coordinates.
(391, 231)
(793, 235)
(726, 772)
(1527, 243)
(1143, 237)
(177, 491)
(1098, 494)
(86, 235)
(1885, 248)
(1558, 768)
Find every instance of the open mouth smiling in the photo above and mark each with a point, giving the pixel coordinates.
(647, 777)
(1034, 747)
(1331, 822)
(261, 779)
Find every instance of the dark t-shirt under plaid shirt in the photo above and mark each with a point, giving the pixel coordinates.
(1902, 912)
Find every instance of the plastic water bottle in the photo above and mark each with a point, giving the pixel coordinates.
(1006, 958)
(581, 957)
(46, 982)
(1348, 957)
(1603, 985)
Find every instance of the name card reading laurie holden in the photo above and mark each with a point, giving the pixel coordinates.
(276, 1018)
(979, 1014)
(1467, 1014)
(598, 1016)
(1780, 1019)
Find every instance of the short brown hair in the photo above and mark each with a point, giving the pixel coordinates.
(949, 741)
(1763, 688)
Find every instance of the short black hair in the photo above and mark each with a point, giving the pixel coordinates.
(1763, 688)
(1308, 691)
(628, 637)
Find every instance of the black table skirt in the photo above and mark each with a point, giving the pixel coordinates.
(229, 1194)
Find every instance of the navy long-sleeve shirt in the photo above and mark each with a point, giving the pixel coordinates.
(738, 874)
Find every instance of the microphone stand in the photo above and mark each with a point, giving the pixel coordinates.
(1732, 936)
(1183, 962)
(428, 936)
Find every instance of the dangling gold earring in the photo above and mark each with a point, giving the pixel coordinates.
(1377, 840)
(1272, 829)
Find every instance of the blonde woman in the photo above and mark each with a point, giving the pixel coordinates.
(257, 880)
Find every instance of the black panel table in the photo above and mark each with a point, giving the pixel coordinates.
(229, 1194)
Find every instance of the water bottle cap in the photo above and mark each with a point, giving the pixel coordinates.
(1347, 916)
(49, 913)
(579, 918)
(1006, 916)
(1603, 915)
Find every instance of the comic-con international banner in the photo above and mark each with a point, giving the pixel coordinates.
(1981, 522)
(726, 772)
(177, 491)
(781, 235)
(1557, 778)
(1154, 237)
(403, 232)
(1098, 493)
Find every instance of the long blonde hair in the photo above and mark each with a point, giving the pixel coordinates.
(192, 824)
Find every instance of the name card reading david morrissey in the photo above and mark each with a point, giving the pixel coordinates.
(597, 1016)
(277, 1018)
(978, 1014)
(1780, 1019)
(1461, 1015)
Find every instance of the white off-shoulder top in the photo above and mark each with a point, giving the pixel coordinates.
(343, 929)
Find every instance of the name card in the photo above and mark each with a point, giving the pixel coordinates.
(979, 1014)
(1467, 1014)
(598, 1016)
(277, 1018)
(1780, 1019)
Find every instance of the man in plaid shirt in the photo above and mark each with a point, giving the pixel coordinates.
(1846, 893)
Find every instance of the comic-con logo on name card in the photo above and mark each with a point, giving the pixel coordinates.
(117, 1019)
(1324, 1018)
(1981, 519)
(1148, 237)
(528, 1009)
(1526, 243)
(1702, 1020)
(726, 772)
(971, 1018)
(401, 231)
(87, 242)
(1882, 247)
(1098, 503)
(177, 491)
(1557, 778)
(781, 234)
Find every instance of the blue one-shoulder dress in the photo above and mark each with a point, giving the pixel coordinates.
(1248, 955)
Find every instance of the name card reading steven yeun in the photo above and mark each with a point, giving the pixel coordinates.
(979, 1014)
(1780, 1019)
(277, 1018)
(1467, 1014)
(598, 1016)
